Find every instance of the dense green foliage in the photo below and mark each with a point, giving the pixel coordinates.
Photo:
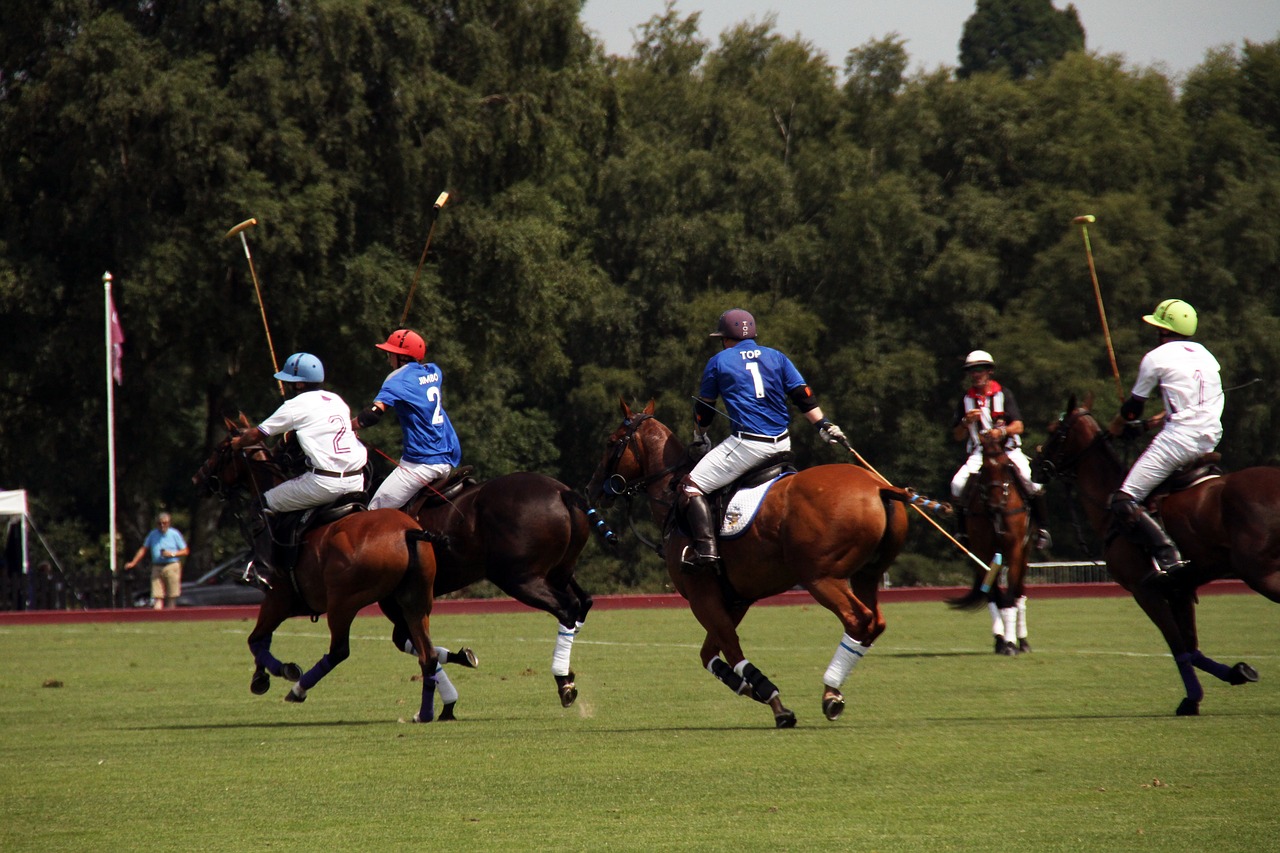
(603, 212)
(153, 741)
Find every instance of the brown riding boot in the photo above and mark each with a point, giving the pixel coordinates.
(703, 552)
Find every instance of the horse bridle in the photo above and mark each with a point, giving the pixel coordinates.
(616, 485)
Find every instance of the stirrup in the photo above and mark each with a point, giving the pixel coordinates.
(253, 577)
(692, 563)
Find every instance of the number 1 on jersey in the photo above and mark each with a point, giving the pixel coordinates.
(754, 369)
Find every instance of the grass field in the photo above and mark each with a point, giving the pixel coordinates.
(153, 741)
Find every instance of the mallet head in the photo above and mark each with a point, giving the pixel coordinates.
(1088, 218)
(248, 223)
(440, 200)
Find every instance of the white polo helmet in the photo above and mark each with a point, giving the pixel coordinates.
(977, 359)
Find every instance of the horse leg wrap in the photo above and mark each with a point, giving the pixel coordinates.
(1219, 671)
(762, 689)
(564, 647)
(1010, 617)
(261, 651)
(448, 693)
(847, 655)
(725, 674)
(1185, 668)
(427, 712)
(312, 676)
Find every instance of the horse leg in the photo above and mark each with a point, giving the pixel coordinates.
(862, 625)
(1176, 621)
(340, 618)
(272, 612)
(1024, 646)
(569, 606)
(734, 671)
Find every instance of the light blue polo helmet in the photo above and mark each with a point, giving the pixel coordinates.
(301, 367)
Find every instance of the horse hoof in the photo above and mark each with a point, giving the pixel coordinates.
(1242, 673)
(1009, 650)
(567, 689)
(1189, 708)
(1024, 647)
(417, 717)
(464, 657)
(785, 719)
(290, 672)
(260, 684)
(292, 696)
(832, 706)
(446, 713)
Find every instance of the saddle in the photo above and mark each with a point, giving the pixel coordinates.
(290, 528)
(442, 489)
(1196, 471)
(765, 471)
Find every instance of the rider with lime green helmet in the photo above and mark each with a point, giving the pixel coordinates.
(1188, 378)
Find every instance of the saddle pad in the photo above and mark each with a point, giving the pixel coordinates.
(743, 506)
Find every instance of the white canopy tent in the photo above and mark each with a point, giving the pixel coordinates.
(13, 510)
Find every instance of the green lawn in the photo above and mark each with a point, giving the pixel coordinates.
(153, 741)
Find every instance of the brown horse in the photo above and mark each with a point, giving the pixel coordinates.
(997, 521)
(1226, 525)
(379, 556)
(523, 532)
(832, 529)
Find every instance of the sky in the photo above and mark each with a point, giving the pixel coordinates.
(1172, 33)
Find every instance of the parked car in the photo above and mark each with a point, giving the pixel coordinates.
(221, 585)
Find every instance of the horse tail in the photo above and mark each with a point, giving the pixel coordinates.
(971, 600)
(910, 496)
(415, 536)
(576, 503)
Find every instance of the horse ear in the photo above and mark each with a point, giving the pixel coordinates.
(244, 421)
(229, 424)
(648, 410)
(1071, 403)
(1088, 400)
(626, 410)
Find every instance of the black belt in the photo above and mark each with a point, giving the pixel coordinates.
(772, 439)
(331, 473)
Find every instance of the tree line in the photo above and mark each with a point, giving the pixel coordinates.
(603, 211)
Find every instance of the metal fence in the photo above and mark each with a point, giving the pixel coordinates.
(1059, 572)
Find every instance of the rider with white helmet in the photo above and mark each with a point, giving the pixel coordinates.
(1189, 380)
(989, 406)
(321, 421)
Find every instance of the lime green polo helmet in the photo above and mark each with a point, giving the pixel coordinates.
(1175, 315)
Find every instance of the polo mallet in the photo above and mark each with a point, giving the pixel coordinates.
(1084, 222)
(435, 214)
(990, 570)
(240, 229)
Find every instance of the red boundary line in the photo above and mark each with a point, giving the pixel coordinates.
(602, 602)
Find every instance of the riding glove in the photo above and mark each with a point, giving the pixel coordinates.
(831, 433)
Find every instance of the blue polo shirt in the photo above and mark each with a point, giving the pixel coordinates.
(753, 380)
(170, 540)
(416, 392)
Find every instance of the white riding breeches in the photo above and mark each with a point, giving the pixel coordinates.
(973, 465)
(405, 481)
(311, 489)
(732, 458)
(1168, 451)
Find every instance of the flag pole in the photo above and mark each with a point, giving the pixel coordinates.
(111, 438)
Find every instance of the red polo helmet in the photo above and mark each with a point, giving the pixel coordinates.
(406, 342)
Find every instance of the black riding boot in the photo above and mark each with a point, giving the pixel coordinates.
(1171, 565)
(260, 569)
(962, 529)
(703, 553)
(1040, 518)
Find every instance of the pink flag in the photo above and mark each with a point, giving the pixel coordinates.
(117, 341)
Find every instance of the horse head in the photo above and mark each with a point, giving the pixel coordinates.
(623, 459)
(227, 468)
(1075, 432)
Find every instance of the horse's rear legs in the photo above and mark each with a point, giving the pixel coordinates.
(862, 624)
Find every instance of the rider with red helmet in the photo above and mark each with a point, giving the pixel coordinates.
(416, 392)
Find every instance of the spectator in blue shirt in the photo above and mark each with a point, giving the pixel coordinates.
(167, 548)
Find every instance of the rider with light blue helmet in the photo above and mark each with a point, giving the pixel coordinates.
(322, 423)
